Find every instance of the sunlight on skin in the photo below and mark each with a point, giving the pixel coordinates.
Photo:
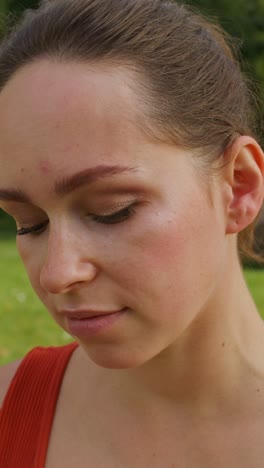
(77, 261)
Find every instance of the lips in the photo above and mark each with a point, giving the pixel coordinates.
(85, 324)
(82, 314)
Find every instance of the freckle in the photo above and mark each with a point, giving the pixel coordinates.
(22, 169)
(223, 344)
(258, 390)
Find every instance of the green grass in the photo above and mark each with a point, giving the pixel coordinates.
(255, 281)
(24, 321)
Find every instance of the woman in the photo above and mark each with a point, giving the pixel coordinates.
(129, 162)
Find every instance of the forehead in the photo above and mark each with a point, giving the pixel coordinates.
(45, 86)
(57, 119)
(50, 108)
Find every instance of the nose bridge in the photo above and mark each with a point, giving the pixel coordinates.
(67, 260)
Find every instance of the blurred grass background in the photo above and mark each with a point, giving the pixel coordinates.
(25, 323)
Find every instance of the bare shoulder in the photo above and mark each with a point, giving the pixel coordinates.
(7, 372)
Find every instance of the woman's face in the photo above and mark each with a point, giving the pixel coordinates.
(120, 221)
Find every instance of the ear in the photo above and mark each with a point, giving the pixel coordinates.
(244, 183)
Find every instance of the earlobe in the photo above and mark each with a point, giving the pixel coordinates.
(245, 177)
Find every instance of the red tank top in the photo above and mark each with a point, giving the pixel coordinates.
(28, 410)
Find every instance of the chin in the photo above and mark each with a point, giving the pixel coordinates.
(114, 359)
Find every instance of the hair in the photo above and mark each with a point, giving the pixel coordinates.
(189, 77)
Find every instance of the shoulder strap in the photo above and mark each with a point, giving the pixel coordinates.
(28, 410)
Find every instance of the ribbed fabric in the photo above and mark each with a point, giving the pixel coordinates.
(28, 410)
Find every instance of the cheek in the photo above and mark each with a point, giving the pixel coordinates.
(178, 254)
(31, 258)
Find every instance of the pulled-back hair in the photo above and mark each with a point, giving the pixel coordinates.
(189, 79)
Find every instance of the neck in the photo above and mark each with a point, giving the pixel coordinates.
(213, 365)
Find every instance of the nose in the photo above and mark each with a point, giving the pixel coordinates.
(67, 264)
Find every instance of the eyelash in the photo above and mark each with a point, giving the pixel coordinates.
(114, 218)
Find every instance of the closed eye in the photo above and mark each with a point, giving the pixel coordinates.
(114, 218)
(36, 229)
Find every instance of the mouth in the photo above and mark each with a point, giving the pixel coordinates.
(84, 314)
(84, 324)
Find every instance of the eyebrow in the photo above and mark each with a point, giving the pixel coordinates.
(71, 183)
(88, 176)
(13, 195)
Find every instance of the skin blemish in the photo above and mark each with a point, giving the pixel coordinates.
(45, 167)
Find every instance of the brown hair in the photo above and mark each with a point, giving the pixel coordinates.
(189, 78)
